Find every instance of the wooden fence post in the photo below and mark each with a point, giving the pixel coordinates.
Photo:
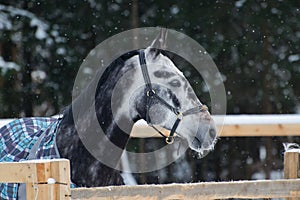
(44, 179)
(291, 167)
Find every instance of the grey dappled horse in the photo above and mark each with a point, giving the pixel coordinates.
(150, 87)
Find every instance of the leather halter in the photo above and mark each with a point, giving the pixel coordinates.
(151, 94)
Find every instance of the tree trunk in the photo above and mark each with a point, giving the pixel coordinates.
(25, 60)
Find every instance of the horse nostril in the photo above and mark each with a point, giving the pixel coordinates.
(212, 133)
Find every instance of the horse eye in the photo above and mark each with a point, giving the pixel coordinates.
(175, 83)
(163, 74)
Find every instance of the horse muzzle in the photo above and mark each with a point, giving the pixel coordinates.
(205, 139)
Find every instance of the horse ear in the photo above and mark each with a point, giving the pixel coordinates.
(160, 42)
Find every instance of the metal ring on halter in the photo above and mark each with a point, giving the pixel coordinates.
(169, 140)
(180, 116)
(148, 92)
(204, 108)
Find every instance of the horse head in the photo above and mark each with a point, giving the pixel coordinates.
(143, 84)
(161, 95)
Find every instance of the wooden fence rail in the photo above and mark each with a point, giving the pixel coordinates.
(283, 188)
(198, 191)
(239, 126)
(232, 126)
(36, 175)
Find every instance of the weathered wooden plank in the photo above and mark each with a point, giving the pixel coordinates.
(35, 171)
(251, 130)
(60, 170)
(291, 167)
(45, 179)
(56, 171)
(31, 191)
(240, 126)
(232, 130)
(53, 192)
(17, 172)
(209, 190)
(43, 172)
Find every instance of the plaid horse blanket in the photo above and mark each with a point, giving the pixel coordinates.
(26, 139)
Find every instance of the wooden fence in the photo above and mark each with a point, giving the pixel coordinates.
(283, 188)
(50, 180)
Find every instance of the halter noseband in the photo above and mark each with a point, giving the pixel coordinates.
(151, 94)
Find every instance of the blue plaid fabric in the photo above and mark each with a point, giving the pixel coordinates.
(16, 140)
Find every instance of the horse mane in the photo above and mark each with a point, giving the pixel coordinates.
(111, 71)
(87, 170)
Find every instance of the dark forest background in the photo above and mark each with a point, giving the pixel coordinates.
(255, 44)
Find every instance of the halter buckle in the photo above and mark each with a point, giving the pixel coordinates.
(169, 140)
(150, 92)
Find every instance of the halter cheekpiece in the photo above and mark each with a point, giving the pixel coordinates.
(151, 94)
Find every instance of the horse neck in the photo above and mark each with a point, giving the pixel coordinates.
(86, 170)
(68, 141)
